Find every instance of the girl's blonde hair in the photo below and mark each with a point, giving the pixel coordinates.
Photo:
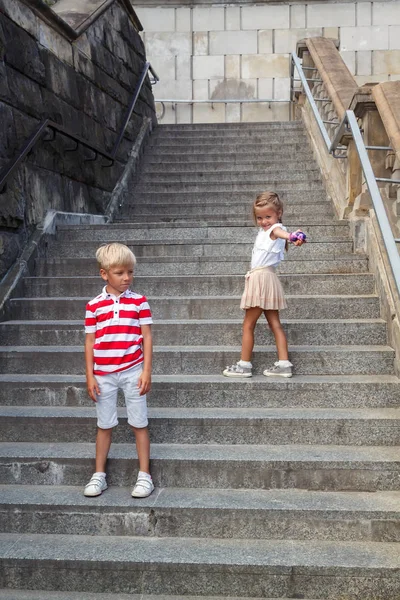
(115, 255)
(268, 199)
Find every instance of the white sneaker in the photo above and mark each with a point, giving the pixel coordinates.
(143, 487)
(237, 370)
(96, 486)
(278, 371)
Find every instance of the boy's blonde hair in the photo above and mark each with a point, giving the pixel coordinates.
(267, 199)
(114, 255)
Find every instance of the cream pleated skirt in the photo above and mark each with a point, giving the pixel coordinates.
(263, 289)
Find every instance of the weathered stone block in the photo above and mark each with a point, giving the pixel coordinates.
(364, 14)
(324, 15)
(205, 113)
(208, 18)
(20, 51)
(394, 37)
(233, 113)
(12, 202)
(183, 19)
(297, 15)
(331, 32)
(265, 41)
(164, 66)
(233, 42)
(267, 65)
(208, 67)
(232, 66)
(156, 19)
(56, 43)
(386, 13)
(7, 140)
(26, 93)
(364, 62)
(265, 17)
(200, 89)
(184, 66)
(60, 78)
(364, 38)
(21, 15)
(350, 60)
(200, 43)
(232, 18)
(386, 62)
(179, 90)
(264, 112)
(265, 87)
(233, 88)
(282, 88)
(184, 113)
(10, 248)
(168, 44)
(286, 39)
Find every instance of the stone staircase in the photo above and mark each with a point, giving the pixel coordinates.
(265, 488)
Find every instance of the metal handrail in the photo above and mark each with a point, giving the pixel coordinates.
(221, 101)
(34, 138)
(349, 125)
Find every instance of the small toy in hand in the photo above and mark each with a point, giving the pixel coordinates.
(297, 236)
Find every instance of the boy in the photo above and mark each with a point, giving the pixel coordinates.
(118, 354)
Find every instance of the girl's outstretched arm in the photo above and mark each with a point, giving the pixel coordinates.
(285, 235)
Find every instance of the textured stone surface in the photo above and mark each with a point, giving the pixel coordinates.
(43, 75)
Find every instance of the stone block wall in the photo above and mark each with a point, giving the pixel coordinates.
(84, 85)
(241, 50)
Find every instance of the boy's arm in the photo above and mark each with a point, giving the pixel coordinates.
(144, 382)
(92, 386)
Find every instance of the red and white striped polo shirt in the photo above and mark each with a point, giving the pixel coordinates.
(117, 321)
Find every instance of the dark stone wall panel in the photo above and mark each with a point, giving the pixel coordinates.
(86, 86)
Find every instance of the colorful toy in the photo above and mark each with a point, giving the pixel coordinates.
(297, 236)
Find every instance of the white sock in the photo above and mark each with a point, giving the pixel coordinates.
(145, 475)
(245, 363)
(284, 363)
(100, 474)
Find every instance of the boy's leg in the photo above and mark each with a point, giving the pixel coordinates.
(106, 409)
(137, 418)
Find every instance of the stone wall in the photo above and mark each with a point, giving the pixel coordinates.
(242, 51)
(84, 85)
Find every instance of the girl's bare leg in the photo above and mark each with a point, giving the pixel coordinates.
(251, 317)
(274, 322)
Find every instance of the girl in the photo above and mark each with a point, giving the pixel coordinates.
(263, 291)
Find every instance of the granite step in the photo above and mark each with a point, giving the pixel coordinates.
(242, 167)
(184, 230)
(256, 135)
(293, 466)
(231, 177)
(264, 127)
(13, 594)
(203, 332)
(168, 221)
(217, 248)
(253, 186)
(214, 426)
(202, 285)
(177, 512)
(289, 197)
(206, 307)
(214, 391)
(292, 213)
(298, 141)
(206, 265)
(276, 155)
(201, 360)
(186, 566)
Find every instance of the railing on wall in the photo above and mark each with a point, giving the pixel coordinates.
(350, 126)
(55, 128)
(240, 101)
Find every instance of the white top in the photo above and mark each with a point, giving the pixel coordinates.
(268, 252)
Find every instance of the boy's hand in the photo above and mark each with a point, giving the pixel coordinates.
(144, 383)
(92, 387)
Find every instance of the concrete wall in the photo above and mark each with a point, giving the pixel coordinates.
(83, 85)
(242, 51)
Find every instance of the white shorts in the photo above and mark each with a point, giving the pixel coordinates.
(106, 405)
